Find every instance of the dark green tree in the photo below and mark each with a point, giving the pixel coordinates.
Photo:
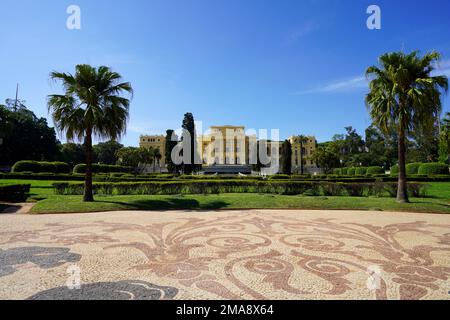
(325, 157)
(105, 152)
(23, 136)
(71, 153)
(286, 158)
(169, 146)
(444, 140)
(188, 140)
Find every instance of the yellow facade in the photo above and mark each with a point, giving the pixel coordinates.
(302, 150)
(155, 142)
(229, 145)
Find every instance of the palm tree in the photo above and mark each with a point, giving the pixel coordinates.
(404, 94)
(92, 106)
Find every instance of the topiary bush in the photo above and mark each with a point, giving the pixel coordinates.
(344, 171)
(102, 168)
(40, 167)
(62, 167)
(47, 167)
(413, 168)
(26, 166)
(280, 177)
(351, 171)
(434, 169)
(360, 171)
(395, 170)
(374, 171)
(337, 171)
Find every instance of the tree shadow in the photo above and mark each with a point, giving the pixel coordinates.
(9, 208)
(171, 204)
(44, 258)
(121, 290)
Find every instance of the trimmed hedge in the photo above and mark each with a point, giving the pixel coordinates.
(14, 192)
(413, 168)
(375, 171)
(40, 167)
(395, 170)
(266, 187)
(360, 171)
(430, 169)
(351, 171)
(102, 168)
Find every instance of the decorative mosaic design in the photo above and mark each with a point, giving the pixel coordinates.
(265, 256)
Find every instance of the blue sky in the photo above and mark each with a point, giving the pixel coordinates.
(293, 65)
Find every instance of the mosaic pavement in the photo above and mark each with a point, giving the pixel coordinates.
(226, 255)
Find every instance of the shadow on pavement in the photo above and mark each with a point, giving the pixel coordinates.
(171, 204)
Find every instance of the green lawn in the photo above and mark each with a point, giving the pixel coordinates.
(68, 204)
(42, 191)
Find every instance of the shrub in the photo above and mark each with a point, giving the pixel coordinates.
(394, 170)
(187, 187)
(360, 171)
(337, 171)
(102, 168)
(344, 171)
(46, 167)
(62, 167)
(413, 168)
(246, 186)
(351, 171)
(280, 177)
(26, 166)
(40, 167)
(375, 171)
(14, 192)
(434, 169)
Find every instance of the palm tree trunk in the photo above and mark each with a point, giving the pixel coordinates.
(88, 193)
(402, 191)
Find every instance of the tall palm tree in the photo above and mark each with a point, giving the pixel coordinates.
(404, 94)
(92, 106)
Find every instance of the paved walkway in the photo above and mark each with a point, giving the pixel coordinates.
(226, 255)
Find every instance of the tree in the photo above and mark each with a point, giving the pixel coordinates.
(381, 148)
(135, 157)
(325, 157)
(189, 142)
(71, 153)
(170, 145)
(25, 136)
(92, 105)
(156, 156)
(105, 152)
(405, 95)
(349, 146)
(286, 157)
(444, 140)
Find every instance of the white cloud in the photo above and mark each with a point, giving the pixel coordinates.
(338, 86)
(294, 35)
(442, 68)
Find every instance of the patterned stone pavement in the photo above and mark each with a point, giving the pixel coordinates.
(226, 255)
